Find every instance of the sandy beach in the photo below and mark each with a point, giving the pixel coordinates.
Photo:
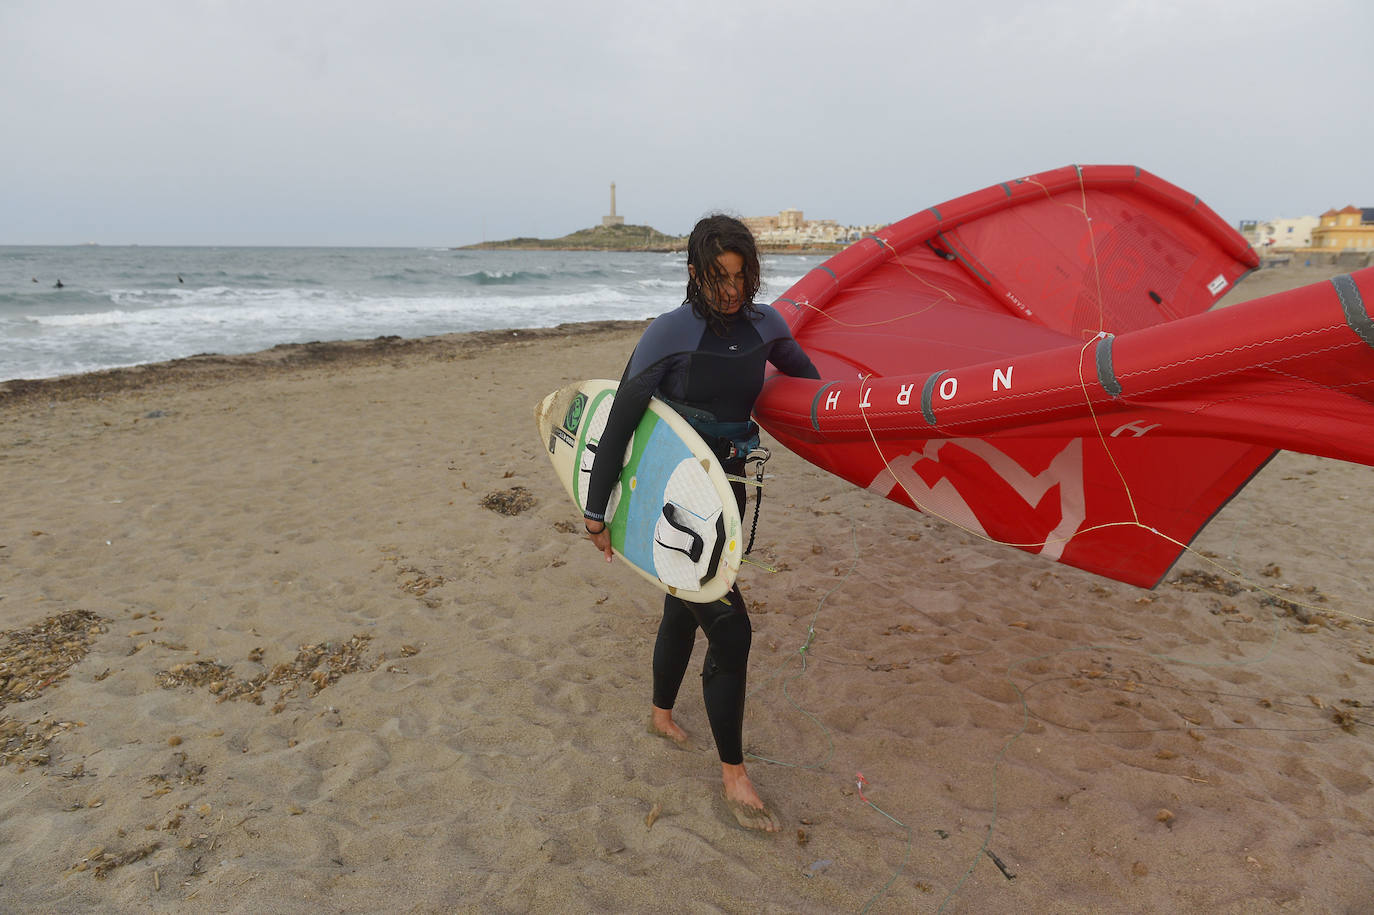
(267, 648)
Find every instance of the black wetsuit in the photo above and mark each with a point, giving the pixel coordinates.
(685, 361)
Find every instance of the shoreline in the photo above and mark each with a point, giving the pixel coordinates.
(205, 368)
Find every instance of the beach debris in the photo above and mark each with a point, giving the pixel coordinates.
(1345, 718)
(35, 657)
(1194, 580)
(1165, 816)
(1310, 617)
(322, 664)
(319, 665)
(77, 771)
(181, 771)
(1000, 866)
(652, 818)
(817, 867)
(422, 583)
(27, 745)
(802, 837)
(195, 673)
(101, 862)
(511, 501)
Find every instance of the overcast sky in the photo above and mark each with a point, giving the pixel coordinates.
(444, 122)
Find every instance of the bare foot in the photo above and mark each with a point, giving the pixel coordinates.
(742, 799)
(661, 724)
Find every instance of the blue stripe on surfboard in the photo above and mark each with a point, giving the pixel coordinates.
(661, 456)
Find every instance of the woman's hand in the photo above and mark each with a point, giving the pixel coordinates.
(600, 536)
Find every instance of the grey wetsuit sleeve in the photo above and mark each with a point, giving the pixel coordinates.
(791, 359)
(631, 400)
(785, 352)
(657, 349)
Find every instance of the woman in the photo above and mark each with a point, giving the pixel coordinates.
(706, 358)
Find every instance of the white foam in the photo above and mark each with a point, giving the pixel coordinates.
(240, 301)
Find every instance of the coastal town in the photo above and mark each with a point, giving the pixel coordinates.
(1347, 232)
(788, 231)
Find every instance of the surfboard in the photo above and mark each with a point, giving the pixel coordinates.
(672, 515)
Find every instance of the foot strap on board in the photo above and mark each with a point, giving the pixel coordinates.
(675, 535)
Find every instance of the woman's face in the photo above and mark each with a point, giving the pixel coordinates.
(725, 291)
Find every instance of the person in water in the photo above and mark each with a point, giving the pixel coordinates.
(706, 359)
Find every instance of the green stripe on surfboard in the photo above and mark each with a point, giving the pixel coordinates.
(643, 432)
(584, 426)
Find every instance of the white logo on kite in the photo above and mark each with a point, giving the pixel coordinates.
(1134, 428)
(1217, 285)
(943, 497)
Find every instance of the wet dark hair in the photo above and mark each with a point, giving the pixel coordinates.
(712, 236)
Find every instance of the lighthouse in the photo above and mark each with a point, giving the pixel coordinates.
(612, 220)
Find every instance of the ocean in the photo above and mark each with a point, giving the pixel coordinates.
(121, 306)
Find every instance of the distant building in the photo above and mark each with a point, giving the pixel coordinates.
(791, 227)
(1345, 229)
(760, 224)
(1279, 234)
(612, 219)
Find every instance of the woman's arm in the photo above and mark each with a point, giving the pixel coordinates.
(631, 400)
(791, 359)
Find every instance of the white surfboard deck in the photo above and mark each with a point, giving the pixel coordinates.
(693, 549)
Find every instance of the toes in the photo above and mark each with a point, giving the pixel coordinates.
(756, 818)
(681, 741)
